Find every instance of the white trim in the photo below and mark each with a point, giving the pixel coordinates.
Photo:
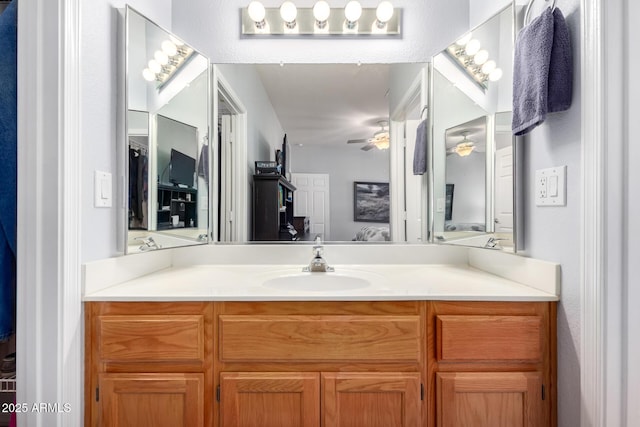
(48, 260)
(591, 318)
(602, 213)
(70, 318)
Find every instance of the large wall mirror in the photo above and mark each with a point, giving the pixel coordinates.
(474, 155)
(166, 148)
(344, 161)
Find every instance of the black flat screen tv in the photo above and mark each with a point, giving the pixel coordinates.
(182, 168)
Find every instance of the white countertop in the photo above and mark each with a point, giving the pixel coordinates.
(246, 282)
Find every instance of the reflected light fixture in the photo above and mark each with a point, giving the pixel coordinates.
(475, 61)
(166, 60)
(381, 137)
(464, 147)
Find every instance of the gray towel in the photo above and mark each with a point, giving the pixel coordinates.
(203, 163)
(420, 153)
(542, 71)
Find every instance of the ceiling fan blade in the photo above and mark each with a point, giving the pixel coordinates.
(367, 147)
(357, 141)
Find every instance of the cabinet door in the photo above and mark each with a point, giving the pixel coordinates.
(153, 400)
(269, 399)
(498, 399)
(371, 399)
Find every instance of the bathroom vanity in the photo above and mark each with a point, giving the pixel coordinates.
(418, 345)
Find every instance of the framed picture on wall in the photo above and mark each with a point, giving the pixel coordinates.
(371, 201)
(448, 203)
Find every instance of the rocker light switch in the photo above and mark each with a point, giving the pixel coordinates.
(103, 194)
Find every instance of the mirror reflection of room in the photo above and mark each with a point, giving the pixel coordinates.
(473, 149)
(167, 139)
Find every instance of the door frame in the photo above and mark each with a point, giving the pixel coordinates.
(240, 212)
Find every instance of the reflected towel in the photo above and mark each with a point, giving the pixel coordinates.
(542, 71)
(203, 163)
(8, 171)
(420, 153)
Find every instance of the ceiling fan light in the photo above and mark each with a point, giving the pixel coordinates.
(463, 149)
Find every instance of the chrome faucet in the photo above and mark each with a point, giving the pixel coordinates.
(147, 243)
(493, 242)
(318, 264)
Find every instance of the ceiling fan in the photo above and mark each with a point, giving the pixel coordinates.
(380, 138)
(464, 147)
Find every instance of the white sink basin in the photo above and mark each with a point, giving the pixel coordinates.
(318, 282)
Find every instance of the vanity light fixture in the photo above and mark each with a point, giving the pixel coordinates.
(475, 61)
(321, 20)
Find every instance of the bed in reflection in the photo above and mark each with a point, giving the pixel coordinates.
(372, 234)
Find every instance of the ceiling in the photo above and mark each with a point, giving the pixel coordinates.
(327, 104)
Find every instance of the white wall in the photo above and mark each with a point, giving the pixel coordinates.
(631, 311)
(553, 233)
(100, 66)
(467, 174)
(344, 166)
(214, 28)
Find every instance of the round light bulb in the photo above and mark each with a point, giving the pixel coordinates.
(256, 11)
(495, 75)
(472, 47)
(481, 57)
(148, 75)
(489, 66)
(288, 11)
(384, 11)
(155, 66)
(169, 48)
(321, 11)
(462, 41)
(161, 57)
(352, 11)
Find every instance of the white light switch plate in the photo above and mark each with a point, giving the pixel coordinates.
(102, 192)
(551, 187)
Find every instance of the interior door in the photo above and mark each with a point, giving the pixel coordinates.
(503, 203)
(413, 187)
(312, 200)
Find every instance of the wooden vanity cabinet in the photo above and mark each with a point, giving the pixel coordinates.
(328, 364)
(492, 364)
(148, 364)
(324, 364)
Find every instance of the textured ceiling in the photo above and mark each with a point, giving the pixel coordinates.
(327, 103)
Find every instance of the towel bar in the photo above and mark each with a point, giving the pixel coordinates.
(526, 13)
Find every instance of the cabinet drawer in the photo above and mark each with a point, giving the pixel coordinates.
(174, 338)
(320, 338)
(488, 338)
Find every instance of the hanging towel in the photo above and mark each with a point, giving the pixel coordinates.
(420, 152)
(542, 71)
(8, 169)
(203, 163)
